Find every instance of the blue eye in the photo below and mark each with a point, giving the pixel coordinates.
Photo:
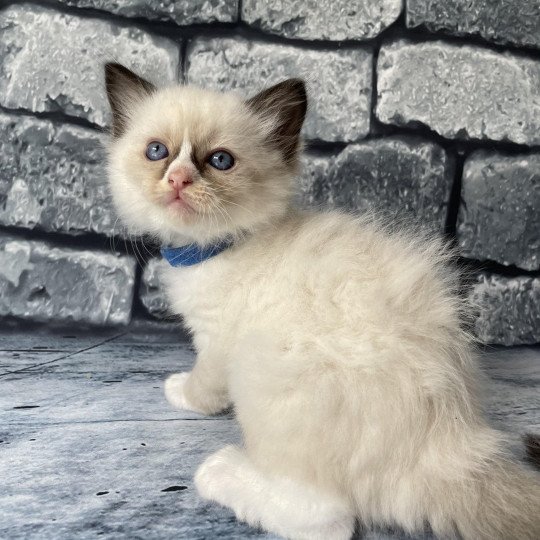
(156, 151)
(221, 160)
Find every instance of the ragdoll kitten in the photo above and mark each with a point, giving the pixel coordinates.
(338, 343)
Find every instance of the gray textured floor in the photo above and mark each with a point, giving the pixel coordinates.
(89, 447)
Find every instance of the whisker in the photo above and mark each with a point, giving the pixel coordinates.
(145, 248)
(239, 206)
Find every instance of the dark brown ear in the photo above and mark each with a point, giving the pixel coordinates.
(286, 102)
(123, 89)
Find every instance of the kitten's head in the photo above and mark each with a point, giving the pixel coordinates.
(186, 163)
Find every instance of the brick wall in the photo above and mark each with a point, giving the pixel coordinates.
(429, 110)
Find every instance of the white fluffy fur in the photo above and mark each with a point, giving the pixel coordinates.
(341, 350)
(339, 344)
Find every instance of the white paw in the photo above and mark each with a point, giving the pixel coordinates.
(216, 476)
(226, 478)
(282, 507)
(174, 392)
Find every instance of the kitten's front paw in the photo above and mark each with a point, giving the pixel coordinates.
(174, 392)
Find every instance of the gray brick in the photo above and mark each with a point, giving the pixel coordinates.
(151, 291)
(333, 20)
(499, 218)
(460, 91)
(53, 177)
(340, 92)
(51, 61)
(501, 21)
(509, 312)
(41, 282)
(182, 12)
(399, 176)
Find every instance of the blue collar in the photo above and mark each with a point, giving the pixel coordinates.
(191, 254)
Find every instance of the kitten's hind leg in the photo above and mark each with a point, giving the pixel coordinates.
(279, 505)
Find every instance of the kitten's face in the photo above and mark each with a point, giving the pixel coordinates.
(187, 164)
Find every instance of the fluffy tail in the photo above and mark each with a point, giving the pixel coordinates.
(501, 504)
(532, 447)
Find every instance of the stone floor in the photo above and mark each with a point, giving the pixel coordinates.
(89, 447)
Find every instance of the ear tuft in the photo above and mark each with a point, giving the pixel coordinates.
(123, 89)
(286, 103)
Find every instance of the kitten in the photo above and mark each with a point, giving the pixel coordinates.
(338, 343)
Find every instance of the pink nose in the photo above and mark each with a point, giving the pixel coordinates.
(180, 178)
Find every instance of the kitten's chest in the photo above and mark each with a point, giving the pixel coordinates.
(202, 294)
(229, 296)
